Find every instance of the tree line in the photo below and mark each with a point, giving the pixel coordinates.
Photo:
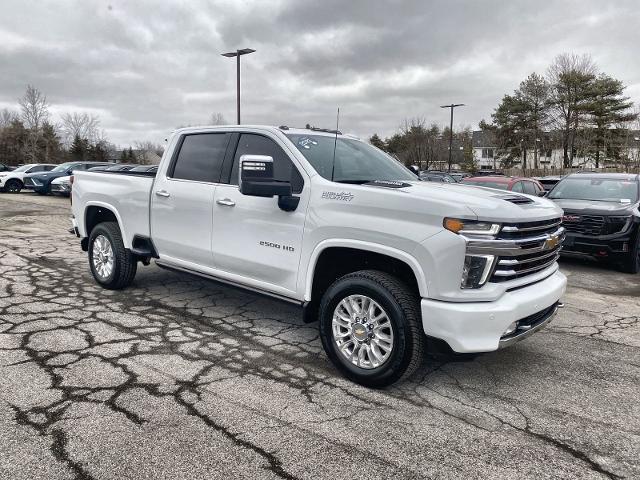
(426, 145)
(30, 135)
(573, 107)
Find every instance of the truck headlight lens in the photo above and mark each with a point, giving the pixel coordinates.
(470, 227)
(476, 270)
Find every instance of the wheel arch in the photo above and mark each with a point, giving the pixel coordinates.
(98, 212)
(329, 250)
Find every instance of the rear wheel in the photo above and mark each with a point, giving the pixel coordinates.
(112, 265)
(370, 328)
(13, 186)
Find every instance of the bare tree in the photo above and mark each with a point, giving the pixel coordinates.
(82, 125)
(143, 151)
(570, 77)
(7, 117)
(35, 112)
(217, 119)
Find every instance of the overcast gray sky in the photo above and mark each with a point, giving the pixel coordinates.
(146, 67)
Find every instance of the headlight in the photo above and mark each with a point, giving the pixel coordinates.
(470, 227)
(476, 270)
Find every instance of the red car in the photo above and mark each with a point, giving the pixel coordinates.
(513, 184)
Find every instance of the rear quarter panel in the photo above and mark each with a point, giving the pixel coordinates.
(127, 196)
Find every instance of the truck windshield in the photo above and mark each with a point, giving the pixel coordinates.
(598, 189)
(355, 161)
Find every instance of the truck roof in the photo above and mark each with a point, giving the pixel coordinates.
(271, 128)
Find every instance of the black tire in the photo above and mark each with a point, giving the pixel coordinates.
(402, 307)
(125, 264)
(632, 263)
(13, 186)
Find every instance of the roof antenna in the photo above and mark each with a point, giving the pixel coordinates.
(335, 141)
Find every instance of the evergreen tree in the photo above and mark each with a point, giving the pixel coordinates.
(607, 108)
(79, 148)
(376, 141)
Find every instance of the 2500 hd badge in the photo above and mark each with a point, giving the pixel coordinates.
(286, 248)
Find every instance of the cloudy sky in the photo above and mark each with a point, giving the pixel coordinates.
(146, 67)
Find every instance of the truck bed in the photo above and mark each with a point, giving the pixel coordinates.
(126, 193)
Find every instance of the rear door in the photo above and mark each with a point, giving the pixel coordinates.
(182, 199)
(253, 239)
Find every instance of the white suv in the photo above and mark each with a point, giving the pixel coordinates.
(13, 181)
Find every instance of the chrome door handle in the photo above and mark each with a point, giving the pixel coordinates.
(162, 193)
(227, 202)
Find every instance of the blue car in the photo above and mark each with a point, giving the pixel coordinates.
(41, 182)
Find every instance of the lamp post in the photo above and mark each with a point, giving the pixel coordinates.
(452, 106)
(238, 54)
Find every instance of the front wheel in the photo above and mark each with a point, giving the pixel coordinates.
(370, 328)
(113, 266)
(13, 186)
(632, 262)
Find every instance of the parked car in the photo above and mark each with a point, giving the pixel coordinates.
(5, 168)
(601, 216)
(119, 167)
(442, 177)
(145, 168)
(61, 186)
(336, 226)
(488, 173)
(459, 176)
(41, 182)
(13, 181)
(548, 182)
(513, 184)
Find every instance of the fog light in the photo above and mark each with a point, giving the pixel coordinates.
(510, 329)
(476, 270)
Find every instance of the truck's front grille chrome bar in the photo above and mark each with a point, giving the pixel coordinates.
(521, 249)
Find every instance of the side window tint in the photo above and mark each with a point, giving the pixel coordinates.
(32, 170)
(48, 168)
(200, 157)
(283, 168)
(518, 187)
(529, 188)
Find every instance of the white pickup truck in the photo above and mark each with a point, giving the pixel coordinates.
(328, 222)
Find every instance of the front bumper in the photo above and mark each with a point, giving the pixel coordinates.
(479, 326)
(61, 188)
(615, 245)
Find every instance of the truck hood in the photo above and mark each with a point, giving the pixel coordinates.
(586, 207)
(487, 203)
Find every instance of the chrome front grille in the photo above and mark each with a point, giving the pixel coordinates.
(521, 249)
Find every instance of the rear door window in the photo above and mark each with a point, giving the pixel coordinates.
(517, 187)
(200, 157)
(529, 188)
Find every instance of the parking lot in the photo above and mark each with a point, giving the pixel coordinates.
(179, 377)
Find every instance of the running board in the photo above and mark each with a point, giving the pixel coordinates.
(231, 283)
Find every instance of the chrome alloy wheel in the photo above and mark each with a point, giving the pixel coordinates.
(103, 257)
(362, 331)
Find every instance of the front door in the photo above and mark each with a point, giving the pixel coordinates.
(253, 240)
(182, 200)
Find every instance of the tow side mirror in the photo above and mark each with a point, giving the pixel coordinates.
(415, 169)
(256, 179)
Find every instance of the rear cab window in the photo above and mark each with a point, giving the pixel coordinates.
(200, 157)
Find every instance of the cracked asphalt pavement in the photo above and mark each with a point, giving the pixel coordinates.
(178, 377)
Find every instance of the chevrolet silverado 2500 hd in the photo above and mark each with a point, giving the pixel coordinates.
(328, 222)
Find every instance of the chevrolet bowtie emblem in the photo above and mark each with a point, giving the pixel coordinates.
(551, 242)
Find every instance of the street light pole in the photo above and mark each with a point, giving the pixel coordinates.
(452, 106)
(238, 54)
